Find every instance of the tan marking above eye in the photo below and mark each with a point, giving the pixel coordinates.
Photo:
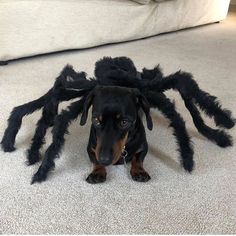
(118, 116)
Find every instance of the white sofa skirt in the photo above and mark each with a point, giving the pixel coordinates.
(32, 27)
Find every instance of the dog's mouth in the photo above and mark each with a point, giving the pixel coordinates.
(112, 157)
(105, 162)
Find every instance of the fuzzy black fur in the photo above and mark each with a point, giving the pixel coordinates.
(121, 72)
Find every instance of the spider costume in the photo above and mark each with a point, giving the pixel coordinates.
(118, 72)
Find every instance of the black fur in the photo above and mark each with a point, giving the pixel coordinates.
(146, 88)
(176, 122)
(61, 124)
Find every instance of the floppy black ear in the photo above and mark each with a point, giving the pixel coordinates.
(142, 101)
(87, 104)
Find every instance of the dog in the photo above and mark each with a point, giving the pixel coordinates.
(117, 127)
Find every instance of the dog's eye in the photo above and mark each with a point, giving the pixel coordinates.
(124, 124)
(96, 122)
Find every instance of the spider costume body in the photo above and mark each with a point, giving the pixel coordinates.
(117, 93)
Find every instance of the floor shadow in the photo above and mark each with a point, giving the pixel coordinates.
(159, 120)
(164, 158)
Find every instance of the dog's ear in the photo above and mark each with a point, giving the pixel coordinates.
(87, 105)
(143, 103)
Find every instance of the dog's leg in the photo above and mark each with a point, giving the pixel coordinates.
(189, 89)
(61, 124)
(137, 171)
(98, 175)
(161, 102)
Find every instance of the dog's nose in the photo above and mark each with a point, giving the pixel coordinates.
(105, 157)
(105, 160)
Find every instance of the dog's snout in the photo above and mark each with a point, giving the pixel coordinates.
(105, 160)
(105, 157)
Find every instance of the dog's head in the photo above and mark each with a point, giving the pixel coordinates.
(114, 114)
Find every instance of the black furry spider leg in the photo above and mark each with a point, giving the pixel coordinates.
(160, 101)
(17, 114)
(50, 111)
(15, 120)
(220, 137)
(47, 119)
(82, 84)
(212, 107)
(189, 89)
(61, 124)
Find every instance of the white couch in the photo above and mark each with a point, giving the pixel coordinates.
(32, 27)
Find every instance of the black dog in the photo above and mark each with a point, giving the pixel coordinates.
(116, 126)
(117, 94)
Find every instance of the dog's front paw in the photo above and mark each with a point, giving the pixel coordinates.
(39, 176)
(96, 177)
(140, 175)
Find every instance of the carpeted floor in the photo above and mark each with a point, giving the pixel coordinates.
(173, 201)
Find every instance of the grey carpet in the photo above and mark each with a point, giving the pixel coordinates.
(173, 201)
